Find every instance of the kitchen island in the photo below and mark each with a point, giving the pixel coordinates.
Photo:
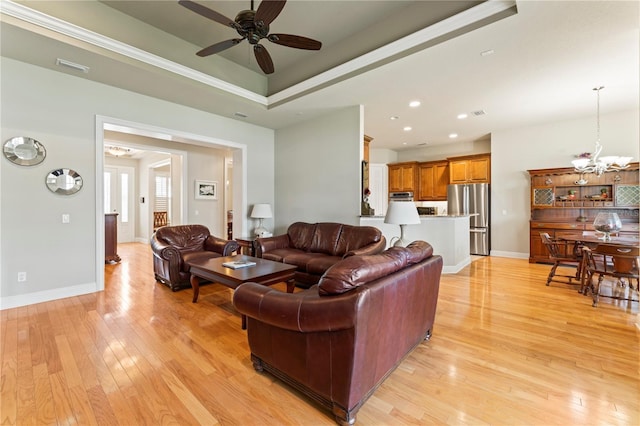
(448, 235)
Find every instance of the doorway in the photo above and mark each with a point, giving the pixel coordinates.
(119, 190)
(180, 141)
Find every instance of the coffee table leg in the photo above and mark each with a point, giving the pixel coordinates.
(195, 285)
(291, 285)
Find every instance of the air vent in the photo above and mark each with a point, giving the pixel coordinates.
(478, 113)
(240, 114)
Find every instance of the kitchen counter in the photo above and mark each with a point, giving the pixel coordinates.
(448, 234)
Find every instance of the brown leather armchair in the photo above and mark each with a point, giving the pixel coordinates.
(337, 341)
(174, 246)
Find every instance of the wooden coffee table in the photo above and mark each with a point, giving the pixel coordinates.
(265, 272)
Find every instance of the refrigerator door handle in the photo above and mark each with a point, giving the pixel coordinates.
(478, 230)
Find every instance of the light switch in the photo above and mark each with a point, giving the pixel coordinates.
(66, 218)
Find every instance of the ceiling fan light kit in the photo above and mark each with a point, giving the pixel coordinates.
(252, 25)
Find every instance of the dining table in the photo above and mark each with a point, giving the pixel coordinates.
(593, 239)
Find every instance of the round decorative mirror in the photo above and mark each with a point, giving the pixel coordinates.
(64, 181)
(24, 151)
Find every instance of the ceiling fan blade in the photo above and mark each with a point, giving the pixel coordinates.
(263, 58)
(268, 11)
(296, 41)
(219, 47)
(208, 13)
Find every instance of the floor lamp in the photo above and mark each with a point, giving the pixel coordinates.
(402, 213)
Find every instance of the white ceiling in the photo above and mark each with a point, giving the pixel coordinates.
(546, 59)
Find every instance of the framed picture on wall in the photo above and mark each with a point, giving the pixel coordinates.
(206, 190)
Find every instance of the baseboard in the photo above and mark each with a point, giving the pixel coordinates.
(46, 296)
(141, 240)
(454, 269)
(511, 254)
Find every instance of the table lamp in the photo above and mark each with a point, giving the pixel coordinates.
(402, 213)
(260, 212)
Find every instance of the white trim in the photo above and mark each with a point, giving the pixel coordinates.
(48, 295)
(454, 269)
(393, 49)
(62, 27)
(510, 254)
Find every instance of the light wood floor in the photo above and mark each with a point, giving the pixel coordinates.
(506, 350)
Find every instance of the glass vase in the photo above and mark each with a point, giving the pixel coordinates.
(607, 223)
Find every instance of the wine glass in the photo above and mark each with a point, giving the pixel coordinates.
(607, 223)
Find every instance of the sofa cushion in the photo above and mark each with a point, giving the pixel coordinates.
(318, 265)
(301, 259)
(325, 238)
(356, 237)
(196, 256)
(355, 271)
(301, 235)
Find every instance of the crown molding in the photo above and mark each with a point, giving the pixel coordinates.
(377, 57)
(71, 30)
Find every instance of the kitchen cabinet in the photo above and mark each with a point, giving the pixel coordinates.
(433, 178)
(403, 176)
(560, 205)
(470, 169)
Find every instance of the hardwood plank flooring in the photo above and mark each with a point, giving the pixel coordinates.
(506, 350)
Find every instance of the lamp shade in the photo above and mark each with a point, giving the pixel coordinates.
(402, 213)
(261, 211)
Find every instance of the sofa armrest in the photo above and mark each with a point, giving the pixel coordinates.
(305, 311)
(373, 248)
(164, 251)
(263, 245)
(220, 245)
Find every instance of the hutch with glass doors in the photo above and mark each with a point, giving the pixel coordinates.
(564, 201)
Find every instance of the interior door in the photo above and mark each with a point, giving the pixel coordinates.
(118, 198)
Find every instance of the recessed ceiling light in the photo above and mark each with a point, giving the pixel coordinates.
(414, 104)
(404, 143)
(453, 135)
(462, 116)
(487, 52)
(407, 129)
(395, 117)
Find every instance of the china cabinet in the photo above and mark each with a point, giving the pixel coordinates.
(566, 202)
(111, 238)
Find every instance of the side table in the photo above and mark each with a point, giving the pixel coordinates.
(246, 245)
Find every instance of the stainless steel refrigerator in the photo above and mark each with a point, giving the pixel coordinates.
(473, 199)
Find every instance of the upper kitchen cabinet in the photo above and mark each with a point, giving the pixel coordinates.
(433, 178)
(403, 176)
(470, 169)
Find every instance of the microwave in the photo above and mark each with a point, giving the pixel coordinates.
(401, 196)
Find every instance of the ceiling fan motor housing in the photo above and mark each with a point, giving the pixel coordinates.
(247, 27)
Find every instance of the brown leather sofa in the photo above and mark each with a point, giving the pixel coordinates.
(315, 247)
(337, 341)
(174, 246)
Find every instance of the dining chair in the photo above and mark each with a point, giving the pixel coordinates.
(160, 219)
(618, 262)
(563, 254)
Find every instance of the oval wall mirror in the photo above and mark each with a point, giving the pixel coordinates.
(24, 151)
(64, 181)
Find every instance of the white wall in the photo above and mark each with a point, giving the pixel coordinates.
(60, 111)
(550, 145)
(318, 170)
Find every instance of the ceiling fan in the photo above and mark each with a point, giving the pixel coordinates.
(253, 25)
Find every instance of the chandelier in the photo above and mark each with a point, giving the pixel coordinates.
(586, 163)
(117, 151)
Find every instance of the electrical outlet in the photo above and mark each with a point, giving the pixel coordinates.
(22, 277)
(66, 218)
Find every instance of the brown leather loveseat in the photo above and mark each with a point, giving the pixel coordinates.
(337, 341)
(315, 247)
(174, 246)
